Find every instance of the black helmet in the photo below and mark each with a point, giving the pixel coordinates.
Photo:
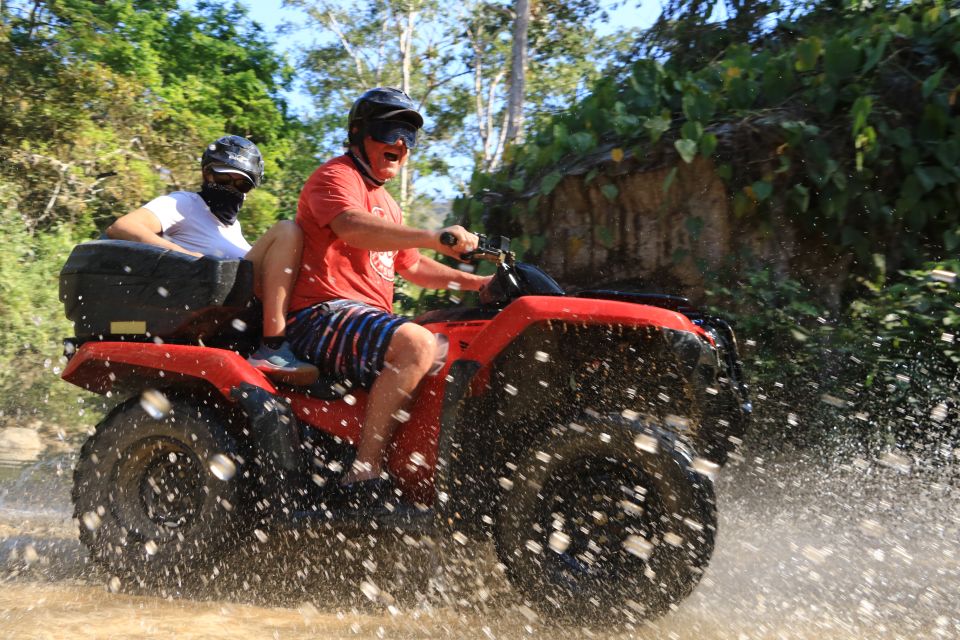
(236, 152)
(382, 103)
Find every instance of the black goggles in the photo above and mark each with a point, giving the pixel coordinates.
(389, 131)
(240, 183)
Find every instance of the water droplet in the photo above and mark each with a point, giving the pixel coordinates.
(542, 356)
(418, 459)
(238, 324)
(460, 538)
(261, 536)
(506, 483)
(872, 528)
(833, 401)
(222, 467)
(114, 584)
(155, 404)
(509, 388)
(939, 413)
(896, 462)
(401, 415)
(163, 292)
(646, 442)
(370, 590)
(638, 546)
(706, 468)
(151, 547)
(350, 399)
(629, 414)
(815, 555)
(534, 546)
(172, 457)
(672, 539)
(943, 276)
(91, 520)
(559, 541)
(30, 554)
(631, 508)
(543, 456)
(677, 422)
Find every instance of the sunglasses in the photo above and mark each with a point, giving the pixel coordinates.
(389, 131)
(240, 183)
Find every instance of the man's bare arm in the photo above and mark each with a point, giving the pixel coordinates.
(141, 225)
(366, 231)
(430, 274)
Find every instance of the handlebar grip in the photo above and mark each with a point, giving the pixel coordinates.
(448, 239)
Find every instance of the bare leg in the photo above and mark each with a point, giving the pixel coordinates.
(409, 357)
(276, 262)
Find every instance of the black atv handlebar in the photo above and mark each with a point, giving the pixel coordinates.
(495, 249)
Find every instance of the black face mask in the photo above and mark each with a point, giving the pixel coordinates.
(224, 201)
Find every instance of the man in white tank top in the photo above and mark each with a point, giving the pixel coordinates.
(205, 223)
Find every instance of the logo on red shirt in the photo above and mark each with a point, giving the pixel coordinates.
(382, 261)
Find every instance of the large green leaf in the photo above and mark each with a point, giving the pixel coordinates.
(550, 182)
(708, 144)
(762, 190)
(686, 148)
(657, 126)
(841, 58)
(698, 106)
(808, 52)
(930, 84)
(860, 111)
(691, 130)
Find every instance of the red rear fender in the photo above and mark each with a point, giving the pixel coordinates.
(131, 366)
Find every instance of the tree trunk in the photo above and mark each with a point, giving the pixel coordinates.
(518, 71)
(406, 67)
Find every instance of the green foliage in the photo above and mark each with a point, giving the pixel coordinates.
(883, 369)
(848, 116)
(107, 104)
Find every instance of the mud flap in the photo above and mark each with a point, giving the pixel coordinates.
(448, 511)
(273, 427)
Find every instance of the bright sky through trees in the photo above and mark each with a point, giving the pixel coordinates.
(272, 15)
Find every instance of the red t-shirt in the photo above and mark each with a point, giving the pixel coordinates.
(332, 269)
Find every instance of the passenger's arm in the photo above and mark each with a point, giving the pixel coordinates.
(141, 225)
(430, 274)
(366, 231)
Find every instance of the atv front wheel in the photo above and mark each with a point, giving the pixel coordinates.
(606, 520)
(158, 496)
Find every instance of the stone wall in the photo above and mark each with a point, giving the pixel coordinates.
(673, 241)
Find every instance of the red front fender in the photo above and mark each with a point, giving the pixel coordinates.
(132, 366)
(525, 311)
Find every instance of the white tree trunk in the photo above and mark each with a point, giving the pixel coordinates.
(518, 71)
(406, 66)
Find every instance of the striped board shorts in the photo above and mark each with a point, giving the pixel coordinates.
(344, 338)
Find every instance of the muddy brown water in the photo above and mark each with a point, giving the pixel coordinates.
(863, 549)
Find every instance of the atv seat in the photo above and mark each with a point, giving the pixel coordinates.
(120, 290)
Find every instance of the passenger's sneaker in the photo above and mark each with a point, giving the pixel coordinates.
(282, 365)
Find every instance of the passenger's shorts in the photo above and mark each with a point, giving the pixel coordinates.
(343, 338)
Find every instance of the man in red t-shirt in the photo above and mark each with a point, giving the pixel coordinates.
(354, 243)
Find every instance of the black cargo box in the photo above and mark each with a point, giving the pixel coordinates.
(114, 289)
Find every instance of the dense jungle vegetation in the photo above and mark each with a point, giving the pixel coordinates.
(841, 115)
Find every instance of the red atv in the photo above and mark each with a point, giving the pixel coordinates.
(579, 431)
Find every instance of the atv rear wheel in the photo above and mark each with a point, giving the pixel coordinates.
(606, 520)
(158, 496)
